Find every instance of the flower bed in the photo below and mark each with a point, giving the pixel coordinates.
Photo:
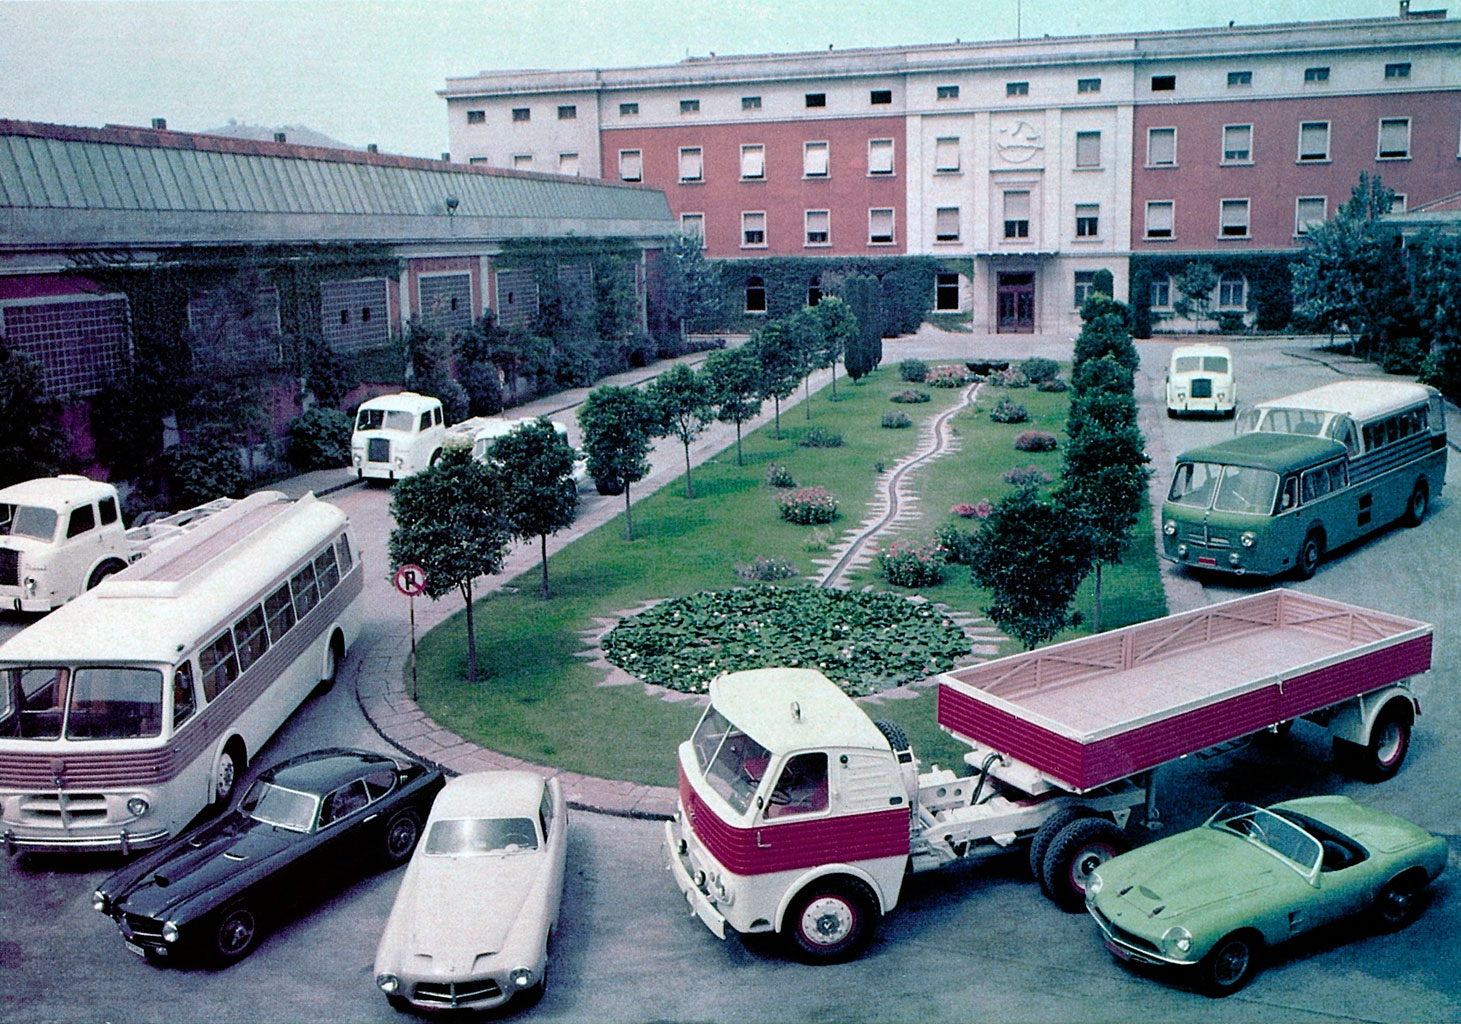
(913, 565)
(808, 506)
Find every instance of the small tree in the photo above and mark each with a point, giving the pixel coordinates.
(1196, 283)
(733, 376)
(682, 404)
(617, 424)
(864, 298)
(31, 444)
(451, 521)
(694, 297)
(802, 334)
(780, 367)
(535, 463)
(839, 329)
(1105, 331)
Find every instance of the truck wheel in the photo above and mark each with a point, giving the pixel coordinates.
(104, 570)
(1420, 502)
(1229, 965)
(831, 921)
(1310, 555)
(230, 767)
(1389, 742)
(1077, 850)
(1045, 835)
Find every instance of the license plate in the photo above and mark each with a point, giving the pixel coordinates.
(1206, 560)
(135, 948)
(1117, 950)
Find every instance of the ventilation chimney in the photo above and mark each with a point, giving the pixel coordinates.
(371, 147)
(446, 158)
(159, 123)
(278, 136)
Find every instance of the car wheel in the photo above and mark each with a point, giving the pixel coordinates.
(402, 831)
(1077, 850)
(831, 921)
(234, 934)
(1045, 835)
(1420, 503)
(1310, 555)
(1397, 904)
(1229, 965)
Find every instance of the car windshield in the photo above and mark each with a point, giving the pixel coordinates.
(27, 521)
(275, 805)
(385, 419)
(470, 836)
(1270, 831)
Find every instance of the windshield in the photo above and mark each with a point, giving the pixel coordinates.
(1270, 831)
(93, 703)
(275, 805)
(1193, 483)
(468, 836)
(736, 769)
(1186, 364)
(1224, 488)
(1215, 364)
(27, 521)
(385, 419)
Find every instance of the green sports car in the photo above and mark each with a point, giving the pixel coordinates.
(1213, 898)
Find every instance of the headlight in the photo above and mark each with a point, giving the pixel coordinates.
(169, 931)
(400, 462)
(99, 902)
(521, 977)
(1248, 538)
(388, 983)
(1093, 884)
(137, 806)
(30, 586)
(1170, 528)
(1177, 941)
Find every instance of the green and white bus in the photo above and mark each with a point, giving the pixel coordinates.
(1307, 474)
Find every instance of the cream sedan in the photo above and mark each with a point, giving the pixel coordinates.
(470, 925)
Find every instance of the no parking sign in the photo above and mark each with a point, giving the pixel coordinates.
(411, 580)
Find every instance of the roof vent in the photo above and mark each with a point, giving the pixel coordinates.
(372, 148)
(159, 123)
(446, 157)
(278, 136)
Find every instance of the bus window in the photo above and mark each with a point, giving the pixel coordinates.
(82, 520)
(184, 697)
(115, 703)
(325, 572)
(1193, 483)
(342, 553)
(1341, 429)
(1246, 490)
(279, 609)
(250, 637)
(1338, 476)
(219, 664)
(33, 703)
(306, 594)
(1290, 495)
(1316, 484)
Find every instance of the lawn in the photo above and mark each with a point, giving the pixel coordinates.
(542, 702)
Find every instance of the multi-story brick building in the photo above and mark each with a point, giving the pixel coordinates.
(1024, 166)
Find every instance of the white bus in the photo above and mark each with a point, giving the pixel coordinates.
(127, 711)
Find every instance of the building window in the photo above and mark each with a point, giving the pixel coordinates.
(478, 160)
(750, 102)
(755, 295)
(1232, 291)
(689, 106)
(1238, 78)
(816, 99)
(1159, 218)
(946, 293)
(946, 224)
(343, 332)
(819, 227)
(81, 344)
(1085, 284)
(1161, 147)
(1087, 85)
(568, 112)
(814, 290)
(880, 156)
(628, 109)
(521, 114)
(1233, 218)
(880, 227)
(631, 165)
(568, 163)
(1017, 88)
(1314, 141)
(1397, 203)
(1237, 143)
(1316, 74)
(692, 164)
(1088, 149)
(948, 92)
(1394, 138)
(692, 225)
(946, 156)
(476, 117)
(446, 301)
(880, 97)
(753, 162)
(1087, 220)
(1017, 214)
(522, 162)
(753, 230)
(1164, 83)
(1161, 297)
(1309, 213)
(814, 160)
(1398, 70)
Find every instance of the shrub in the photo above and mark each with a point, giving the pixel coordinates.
(319, 439)
(979, 510)
(817, 540)
(821, 437)
(1009, 412)
(1009, 379)
(956, 543)
(200, 471)
(910, 397)
(906, 565)
(947, 377)
(1403, 355)
(1442, 370)
(1230, 323)
(984, 368)
(1021, 475)
(1038, 369)
(915, 371)
(896, 420)
(1054, 384)
(809, 506)
(764, 569)
(778, 475)
(1035, 441)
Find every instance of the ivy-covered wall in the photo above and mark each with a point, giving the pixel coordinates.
(908, 286)
(1269, 292)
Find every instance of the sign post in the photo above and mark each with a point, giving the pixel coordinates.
(411, 580)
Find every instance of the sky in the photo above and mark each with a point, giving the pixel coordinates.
(365, 71)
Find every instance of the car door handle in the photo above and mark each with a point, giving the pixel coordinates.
(368, 820)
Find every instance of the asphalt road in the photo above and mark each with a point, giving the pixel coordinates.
(973, 942)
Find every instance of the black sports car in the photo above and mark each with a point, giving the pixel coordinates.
(302, 822)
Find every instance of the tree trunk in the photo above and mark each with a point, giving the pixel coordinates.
(777, 403)
(739, 460)
(628, 523)
(834, 380)
(807, 390)
(689, 485)
(543, 546)
(466, 589)
(1096, 611)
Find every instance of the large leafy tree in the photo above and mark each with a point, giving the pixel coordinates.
(31, 444)
(617, 424)
(683, 404)
(780, 365)
(839, 329)
(535, 464)
(452, 521)
(733, 376)
(694, 296)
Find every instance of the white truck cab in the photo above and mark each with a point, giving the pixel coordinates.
(396, 435)
(1200, 379)
(58, 536)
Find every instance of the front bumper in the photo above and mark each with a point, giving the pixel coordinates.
(700, 902)
(1126, 946)
(124, 842)
(457, 994)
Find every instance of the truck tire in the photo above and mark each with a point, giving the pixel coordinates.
(1077, 850)
(1389, 742)
(104, 570)
(1420, 502)
(831, 920)
(1045, 835)
(1311, 553)
(894, 734)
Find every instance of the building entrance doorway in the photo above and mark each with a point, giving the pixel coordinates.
(1015, 303)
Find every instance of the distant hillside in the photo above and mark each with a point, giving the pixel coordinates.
(295, 133)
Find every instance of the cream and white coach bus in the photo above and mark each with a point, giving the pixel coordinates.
(127, 711)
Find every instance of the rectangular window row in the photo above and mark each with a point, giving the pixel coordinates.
(816, 227)
(1082, 85)
(1392, 143)
(1234, 216)
(816, 162)
(1316, 75)
(1232, 291)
